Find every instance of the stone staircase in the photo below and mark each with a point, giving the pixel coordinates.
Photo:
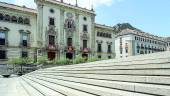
(144, 75)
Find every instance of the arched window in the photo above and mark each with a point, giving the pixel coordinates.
(1, 16)
(7, 17)
(14, 19)
(27, 21)
(20, 20)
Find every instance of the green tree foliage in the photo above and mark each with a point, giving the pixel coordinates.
(20, 61)
(42, 60)
(119, 27)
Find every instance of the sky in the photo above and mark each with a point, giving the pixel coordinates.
(152, 16)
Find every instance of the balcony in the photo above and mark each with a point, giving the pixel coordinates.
(138, 46)
(99, 51)
(69, 49)
(52, 47)
(85, 50)
(24, 44)
(142, 47)
(109, 51)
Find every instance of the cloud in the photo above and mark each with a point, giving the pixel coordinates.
(27, 3)
(82, 3)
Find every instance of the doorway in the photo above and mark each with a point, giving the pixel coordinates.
(69, 55)
(85, 56)
(51, 55)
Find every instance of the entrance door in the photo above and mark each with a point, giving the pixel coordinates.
(51, 55)
(85, 56)
(69, 55)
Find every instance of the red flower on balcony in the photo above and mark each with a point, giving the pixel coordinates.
(85, 50)
(70, 49)
(51, 47)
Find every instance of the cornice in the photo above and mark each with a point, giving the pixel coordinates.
(69, 6)
(139, 33)
(18, 8)
(104, 26)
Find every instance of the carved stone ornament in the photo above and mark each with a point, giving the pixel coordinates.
(84, 37)
(69, 24)
(4, 29)
(51, 30)
(69, 34)
(99, 41)
(109, 43)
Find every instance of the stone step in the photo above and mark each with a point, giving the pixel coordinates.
(103, 64)
(66, 91)
(144, 59)
(30, 89)
(116, 67)
(143, 72)
(44, 90)
(129, 86)
(100, 91)
(124, 78)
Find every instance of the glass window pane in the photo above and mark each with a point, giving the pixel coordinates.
(2, 35)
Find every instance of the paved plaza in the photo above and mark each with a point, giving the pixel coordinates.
(11, 87)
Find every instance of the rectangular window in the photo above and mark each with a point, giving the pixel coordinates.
(99, 48)
(2, 54)
(126, 50)
(25, 40)
(121, 50)
(51, 21)
(24, 54)
(109, 49)
(84, 43)
(85, 28)
(99, 56)
(2, 38)
(69, 42)
(109, 57)
(51, 40)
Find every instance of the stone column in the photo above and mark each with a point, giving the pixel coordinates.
(62, 34)
(77, 34)
(40, 25)
(92, 37)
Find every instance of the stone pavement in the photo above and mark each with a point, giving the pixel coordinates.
(11, 87)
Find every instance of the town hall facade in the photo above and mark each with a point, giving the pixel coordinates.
(55, 29)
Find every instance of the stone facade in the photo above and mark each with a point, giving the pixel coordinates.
(55, 29)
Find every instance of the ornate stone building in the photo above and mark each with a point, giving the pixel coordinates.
(55, 29)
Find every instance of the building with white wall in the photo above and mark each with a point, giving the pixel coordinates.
(135, 42)
(167, 39)
(54, 29)
(104, 36)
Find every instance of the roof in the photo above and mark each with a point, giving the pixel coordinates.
(71, 6)
(104, 26)
(16, 7)
(139, 33)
